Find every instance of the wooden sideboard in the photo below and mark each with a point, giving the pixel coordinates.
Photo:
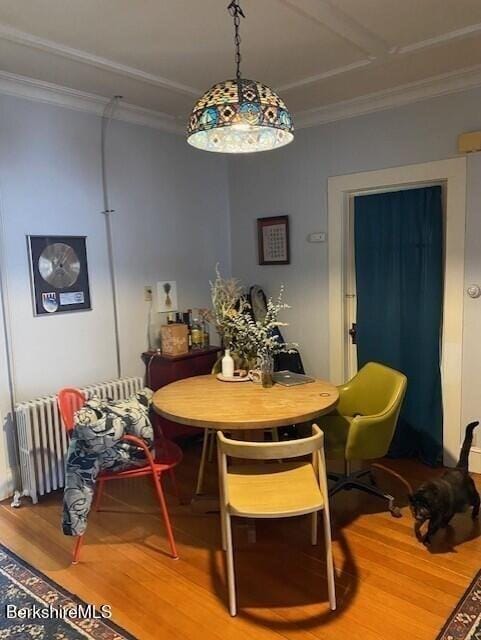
(162, 370)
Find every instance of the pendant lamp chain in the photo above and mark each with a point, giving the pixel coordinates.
(236, 12)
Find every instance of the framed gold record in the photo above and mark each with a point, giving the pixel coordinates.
(59, 274)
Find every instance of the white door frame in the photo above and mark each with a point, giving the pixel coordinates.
(452, 173)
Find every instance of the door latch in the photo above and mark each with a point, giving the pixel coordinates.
(353, 333)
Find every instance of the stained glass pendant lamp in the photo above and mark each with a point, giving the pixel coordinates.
(240, 115)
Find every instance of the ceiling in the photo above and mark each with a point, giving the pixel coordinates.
(322, 56)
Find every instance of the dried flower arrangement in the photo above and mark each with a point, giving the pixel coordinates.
(227, 299)
(249, 339)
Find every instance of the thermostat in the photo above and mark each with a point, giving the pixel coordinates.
(319, 236)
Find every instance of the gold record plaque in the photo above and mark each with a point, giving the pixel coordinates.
(59, 274)
(59, 265)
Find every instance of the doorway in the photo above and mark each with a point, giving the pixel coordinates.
(341, 190)
(394, 298)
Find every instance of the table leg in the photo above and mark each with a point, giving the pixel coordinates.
(208, 504)
(205, 504)
(251, 435)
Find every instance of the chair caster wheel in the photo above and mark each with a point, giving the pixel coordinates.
(396, 512)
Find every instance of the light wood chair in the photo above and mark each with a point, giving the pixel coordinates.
(280, 490)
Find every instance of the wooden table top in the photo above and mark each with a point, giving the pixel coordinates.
(204, 401)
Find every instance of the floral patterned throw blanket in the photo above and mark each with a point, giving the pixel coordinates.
(96, 445)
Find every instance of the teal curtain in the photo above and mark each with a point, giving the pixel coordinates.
(399, 281)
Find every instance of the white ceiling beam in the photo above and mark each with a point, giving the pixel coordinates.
(42, 44)
(331, 73)
(470, 31)
(330, 17)
(378, 51)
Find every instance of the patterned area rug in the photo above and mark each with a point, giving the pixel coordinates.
(33, 607)
(465, 621)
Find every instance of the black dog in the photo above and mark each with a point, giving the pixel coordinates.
(438, 500)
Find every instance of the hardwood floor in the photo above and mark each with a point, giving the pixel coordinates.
(389, 587)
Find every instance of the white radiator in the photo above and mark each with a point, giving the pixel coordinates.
(42, 439)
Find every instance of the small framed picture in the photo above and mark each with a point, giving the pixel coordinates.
(273, 240)
(59, 274)
(166, 296)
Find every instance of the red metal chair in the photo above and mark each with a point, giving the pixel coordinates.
(167, 456)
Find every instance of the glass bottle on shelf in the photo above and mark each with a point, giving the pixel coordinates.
(197, 333)
(205, 334)
(187, 320)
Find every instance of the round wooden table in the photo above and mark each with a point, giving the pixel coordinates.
(245, 407)
(205, 402)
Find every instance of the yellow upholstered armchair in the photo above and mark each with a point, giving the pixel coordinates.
(363, 424)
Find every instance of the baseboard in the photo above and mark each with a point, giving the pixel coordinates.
(7, 484)
(475, 460)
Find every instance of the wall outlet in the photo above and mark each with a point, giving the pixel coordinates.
(148, 294)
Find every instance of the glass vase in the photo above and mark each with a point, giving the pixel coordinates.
(266, 366)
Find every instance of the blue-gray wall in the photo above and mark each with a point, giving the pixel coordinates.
(171, 222)
(293, 181)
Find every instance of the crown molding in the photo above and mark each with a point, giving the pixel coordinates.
(40, 91)
(433, 87)
(42, 44)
